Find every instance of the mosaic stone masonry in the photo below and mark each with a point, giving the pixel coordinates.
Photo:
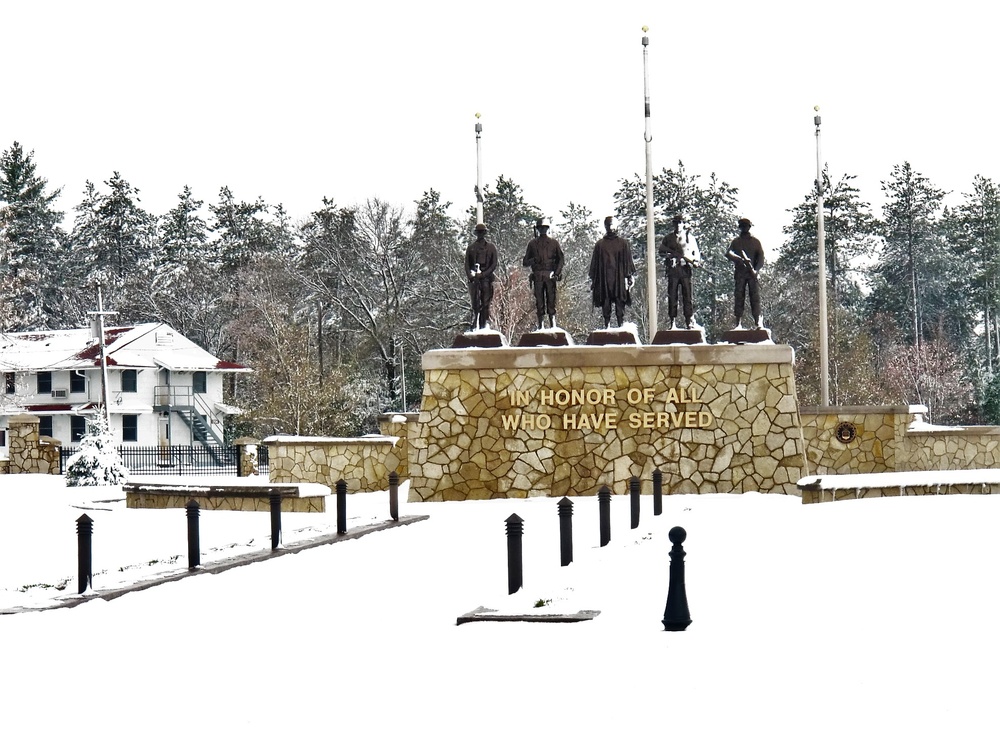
(296, 498)
(363, 462)
(564, 421)
(29, 453)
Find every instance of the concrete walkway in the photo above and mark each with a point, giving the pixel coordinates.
(218, 566)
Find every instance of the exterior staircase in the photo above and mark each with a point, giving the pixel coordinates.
(203, 432)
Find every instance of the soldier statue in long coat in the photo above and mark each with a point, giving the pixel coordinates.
(611, 274)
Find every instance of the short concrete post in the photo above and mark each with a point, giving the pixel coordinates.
(394, 495)
(341, 506)
(84, 552)
(565, 531)
(275, 500)
(515, 573)
(604, 507)
(192, 509)
(676, 615)
(634, 487)
(657, 492)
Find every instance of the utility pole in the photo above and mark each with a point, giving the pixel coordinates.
(824, 357)
(650, 223)
(99, 315)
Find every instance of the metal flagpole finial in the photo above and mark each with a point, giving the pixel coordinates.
(645, 39)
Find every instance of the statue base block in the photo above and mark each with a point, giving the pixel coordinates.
(679, 336)
(478, 339)
(545, 338)
(748, 336)
(611, 336)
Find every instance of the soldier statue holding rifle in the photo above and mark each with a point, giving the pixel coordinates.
(747, 256)
(680, 255)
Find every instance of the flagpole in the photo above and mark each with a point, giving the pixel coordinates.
(824, 357)
(650, 223)
(479, 171)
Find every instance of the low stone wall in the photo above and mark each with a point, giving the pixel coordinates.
(830, 488)
(295, 498)
(399, 425)
(28, 453)
(364, 463)
(856, 439)
(863, 440)
(934, 448)
(520, 422)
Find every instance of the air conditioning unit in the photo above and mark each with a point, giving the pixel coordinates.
(60, 393)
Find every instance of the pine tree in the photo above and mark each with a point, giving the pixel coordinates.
(31, 243)
(98, 463)
(116, 238)
(187, 291)
(973, 230)
(849, 229)
(913, 273)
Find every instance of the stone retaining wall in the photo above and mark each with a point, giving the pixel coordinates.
(364, 463)
(294, 498)
(830, 488)
(519, 422)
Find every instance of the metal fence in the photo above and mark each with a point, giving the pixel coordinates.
(177, 459)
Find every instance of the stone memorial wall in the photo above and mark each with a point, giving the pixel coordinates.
(518, 422)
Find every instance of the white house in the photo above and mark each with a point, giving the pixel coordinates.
(163, 389)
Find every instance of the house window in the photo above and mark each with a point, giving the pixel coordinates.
(77, 428)
(9, 377)
(44, 383)
(77, 382)
(130, 428)
(3, 438)
(45, 426)
(200, 380)
(130, 381)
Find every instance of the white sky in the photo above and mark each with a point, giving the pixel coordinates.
(294, 101)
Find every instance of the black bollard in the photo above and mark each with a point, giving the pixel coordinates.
(657, 492)
(341, 506)
(604, 506)
(515, 573)
(633, 490)
(565, 531)
(275, 499)
(676, 615)
(194, 535)
(394, 495)
(84, 552)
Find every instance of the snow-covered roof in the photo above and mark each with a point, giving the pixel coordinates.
(146, 345)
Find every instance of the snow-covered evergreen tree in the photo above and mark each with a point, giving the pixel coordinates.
(98, 463)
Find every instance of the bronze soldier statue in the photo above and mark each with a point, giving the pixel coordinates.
(611, 272)
(680, 254)
(545, 258)
(747, 256)
(480, 265)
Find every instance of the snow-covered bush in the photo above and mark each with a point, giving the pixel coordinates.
(98, 463)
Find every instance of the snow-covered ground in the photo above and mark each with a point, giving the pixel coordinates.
(862, 624)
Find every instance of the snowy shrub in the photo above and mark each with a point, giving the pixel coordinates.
(98, 462)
